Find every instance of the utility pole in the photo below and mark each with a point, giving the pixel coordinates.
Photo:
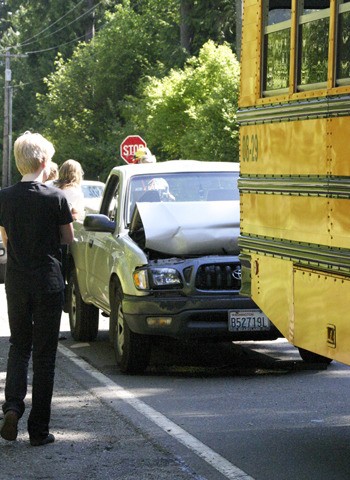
(7, 137)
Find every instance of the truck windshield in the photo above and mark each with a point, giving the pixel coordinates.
(182, 187)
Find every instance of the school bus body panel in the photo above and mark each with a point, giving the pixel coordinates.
(250, 56)
(272, 283)
(295, 189)
(305, 147)
(303, 141)
(321, 310)
(339, 146)
(297, 219)
(310, 308)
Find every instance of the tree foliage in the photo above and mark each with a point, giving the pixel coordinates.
(208, 19)
(109, 68)
(41, 30)
(191, 113)
(84, 95)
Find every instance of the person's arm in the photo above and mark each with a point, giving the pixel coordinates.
(75, 213)
(4, 236)
(67, 234)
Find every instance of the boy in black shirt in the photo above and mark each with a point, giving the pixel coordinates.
(35, 220)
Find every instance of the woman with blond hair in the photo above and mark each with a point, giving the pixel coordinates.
(69, 180)
(53, 175)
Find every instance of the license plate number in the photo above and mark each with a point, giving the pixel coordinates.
(247, 321)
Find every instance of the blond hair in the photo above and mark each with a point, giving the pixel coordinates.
(70, 174)
(53, 172)
(31, 150)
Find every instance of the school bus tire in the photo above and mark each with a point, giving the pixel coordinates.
(310, 357)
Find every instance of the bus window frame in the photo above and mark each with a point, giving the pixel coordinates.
(298, 17)
(266, 30)
(341, 8)
(303, 19)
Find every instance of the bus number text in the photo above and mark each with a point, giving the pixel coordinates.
(250, 148)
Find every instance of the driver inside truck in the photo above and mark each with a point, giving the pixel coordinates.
(161, 186)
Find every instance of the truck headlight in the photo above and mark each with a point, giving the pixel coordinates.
(165, 277)
(156, 277)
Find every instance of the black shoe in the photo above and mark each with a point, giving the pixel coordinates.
(8, 428)
(38, 442)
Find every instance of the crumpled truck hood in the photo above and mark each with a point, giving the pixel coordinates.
(189, 228)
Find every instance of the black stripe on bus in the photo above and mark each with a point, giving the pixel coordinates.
(335, 106)
(310, 255)
(322, 186)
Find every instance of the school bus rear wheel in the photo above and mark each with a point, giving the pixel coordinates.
(310, 357)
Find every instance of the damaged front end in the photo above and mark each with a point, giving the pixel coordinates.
(186, 228)
(189, 248)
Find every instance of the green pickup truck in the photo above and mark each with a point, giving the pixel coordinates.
(161, 259)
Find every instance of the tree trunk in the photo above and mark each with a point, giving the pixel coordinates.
(186, 29)
(90, 27)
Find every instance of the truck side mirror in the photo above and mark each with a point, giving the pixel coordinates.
(99, 223)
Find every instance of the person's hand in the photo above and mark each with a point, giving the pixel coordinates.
(75, 213)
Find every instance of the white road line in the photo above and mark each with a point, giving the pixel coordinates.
(113, 390)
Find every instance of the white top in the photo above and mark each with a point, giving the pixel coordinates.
(75, 198)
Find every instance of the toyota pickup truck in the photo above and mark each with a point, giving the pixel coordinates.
(160, 259)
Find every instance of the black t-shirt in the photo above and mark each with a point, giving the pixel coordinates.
(31, 213)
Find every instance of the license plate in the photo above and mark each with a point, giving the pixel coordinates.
(247, 321)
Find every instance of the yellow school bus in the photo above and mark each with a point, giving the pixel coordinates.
(294, 114)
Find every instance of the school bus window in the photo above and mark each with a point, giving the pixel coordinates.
(277, 34)
(313, 44)
(343, 44)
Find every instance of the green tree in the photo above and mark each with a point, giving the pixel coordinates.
(204, 20)
(83, 107)
(79, 93)
(191, 113)
(41, 29)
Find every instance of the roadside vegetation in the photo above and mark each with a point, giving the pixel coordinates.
(164, 70)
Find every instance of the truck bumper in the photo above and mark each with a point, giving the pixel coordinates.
(196, 317)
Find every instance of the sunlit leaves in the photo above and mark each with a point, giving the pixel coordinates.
(191, 113)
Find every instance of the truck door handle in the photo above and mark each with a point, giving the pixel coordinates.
(91, 242)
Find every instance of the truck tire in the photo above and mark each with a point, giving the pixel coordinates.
(132, 351)
(83, 318)
(310, 357)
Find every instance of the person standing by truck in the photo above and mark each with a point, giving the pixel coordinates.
(35, 220)
(70, 176)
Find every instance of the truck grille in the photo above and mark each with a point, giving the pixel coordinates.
(219, 277)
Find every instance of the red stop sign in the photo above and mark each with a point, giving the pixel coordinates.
(129, 146)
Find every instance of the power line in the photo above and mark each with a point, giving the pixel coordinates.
(67, 25)
(57, 46)
(26, 42)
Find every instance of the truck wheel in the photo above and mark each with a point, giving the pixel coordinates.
(310, 357)
(132, 351)
(83, 318)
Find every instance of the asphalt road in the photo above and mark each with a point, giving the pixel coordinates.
(249, 411)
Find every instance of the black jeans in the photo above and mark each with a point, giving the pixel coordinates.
(34, 325)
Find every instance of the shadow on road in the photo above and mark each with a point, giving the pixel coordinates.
(196, 359)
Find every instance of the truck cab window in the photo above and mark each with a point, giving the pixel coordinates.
(110, 199)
